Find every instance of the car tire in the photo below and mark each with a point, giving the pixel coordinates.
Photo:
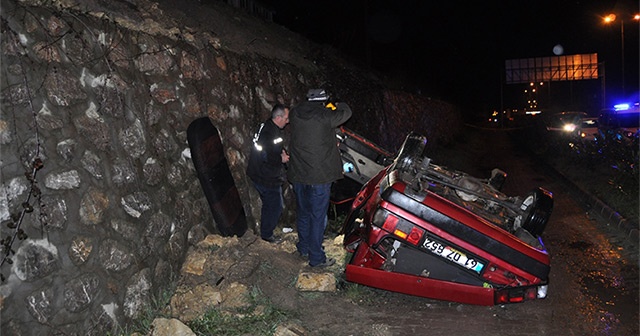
(537, 206)
(410, 152)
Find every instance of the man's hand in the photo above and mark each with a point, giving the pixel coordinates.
(285, 156)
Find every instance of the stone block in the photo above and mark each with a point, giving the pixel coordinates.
(316, 282)
(195, 263)
(169, 327)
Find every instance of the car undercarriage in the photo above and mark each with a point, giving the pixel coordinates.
(422, 229)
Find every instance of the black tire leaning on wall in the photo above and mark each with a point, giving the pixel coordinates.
(215, 178)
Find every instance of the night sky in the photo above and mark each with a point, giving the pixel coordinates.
(455, 50)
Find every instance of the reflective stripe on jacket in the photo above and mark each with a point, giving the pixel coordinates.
(265, 163)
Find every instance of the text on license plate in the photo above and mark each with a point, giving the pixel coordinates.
(452, 254)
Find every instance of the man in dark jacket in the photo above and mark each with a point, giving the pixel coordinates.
(315, 164)
(266, 169)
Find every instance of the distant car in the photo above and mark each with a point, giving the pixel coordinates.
(422, 229)
(625, 122)
(589, 129)
(565, 122)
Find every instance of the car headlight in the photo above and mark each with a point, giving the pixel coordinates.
(569, 127)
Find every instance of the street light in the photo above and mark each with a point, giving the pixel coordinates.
(611, 18)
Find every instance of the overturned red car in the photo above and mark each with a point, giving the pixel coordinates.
(422, 229)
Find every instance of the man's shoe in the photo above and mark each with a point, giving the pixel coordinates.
(273, 240)
(326, 263)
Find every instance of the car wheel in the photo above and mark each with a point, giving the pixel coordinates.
(536, 206)
(410, 152)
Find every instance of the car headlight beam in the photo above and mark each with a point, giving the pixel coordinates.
(569, 127)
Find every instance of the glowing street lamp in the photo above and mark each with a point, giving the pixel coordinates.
(610, 19)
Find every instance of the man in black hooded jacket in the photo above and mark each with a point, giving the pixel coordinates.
(266, 169)
(315, 164)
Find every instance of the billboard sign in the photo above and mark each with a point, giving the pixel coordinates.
(554, 68)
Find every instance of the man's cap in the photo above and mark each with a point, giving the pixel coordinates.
(317, 95)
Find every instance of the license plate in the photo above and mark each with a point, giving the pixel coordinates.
(452, 254)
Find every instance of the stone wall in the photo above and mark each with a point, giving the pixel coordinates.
(97, 183)
(103, 100)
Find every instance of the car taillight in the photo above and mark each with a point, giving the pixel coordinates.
(520, 294)
(399, 227)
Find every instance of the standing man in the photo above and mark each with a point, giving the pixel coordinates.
(266, 169)
(315, 164)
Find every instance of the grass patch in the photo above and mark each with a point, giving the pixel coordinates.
(357, 293)
(259, 318)
(608, 170)
(616, 187)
